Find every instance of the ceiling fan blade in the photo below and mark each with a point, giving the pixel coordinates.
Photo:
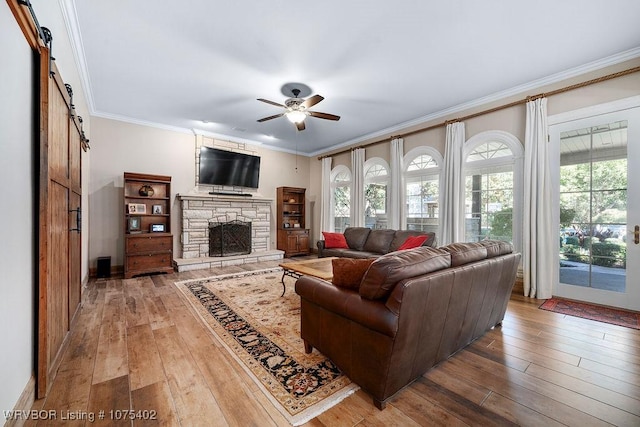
(310, 102)
(275, 116)
(271, 102)
(323, 115)
(300, 126)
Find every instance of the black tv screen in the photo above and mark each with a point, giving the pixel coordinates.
(221, 167)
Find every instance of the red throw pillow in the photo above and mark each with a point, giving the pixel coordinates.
(348, 272)
(334, 240)
(413, 242)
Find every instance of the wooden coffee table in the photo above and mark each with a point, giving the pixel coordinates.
(320, 268)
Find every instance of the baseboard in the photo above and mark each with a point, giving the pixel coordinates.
(24, 403)
(518, 286)
(115, 271)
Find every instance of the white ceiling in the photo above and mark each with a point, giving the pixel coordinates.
(380, 65)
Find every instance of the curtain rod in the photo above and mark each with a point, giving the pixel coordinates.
(494, 109)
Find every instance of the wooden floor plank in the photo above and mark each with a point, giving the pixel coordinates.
(195, 404)
(423, 411)
(594, 391)
(155, 404)
(110, 404)
(111, 358)
(145, 365)
(136, 312)
(581, 403)
(466, 410)
(588, 375)
(500, 381)
(611, 371)
(517, 413)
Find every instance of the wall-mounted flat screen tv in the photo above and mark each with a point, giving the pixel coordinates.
(221, 167)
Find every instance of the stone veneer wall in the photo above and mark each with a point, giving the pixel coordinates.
(198, 211)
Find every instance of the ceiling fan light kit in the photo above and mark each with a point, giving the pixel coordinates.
(296, 109)
(295, 116)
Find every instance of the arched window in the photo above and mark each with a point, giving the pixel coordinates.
(376, 182)
(421, 174)
(340, 197)
(493, 187)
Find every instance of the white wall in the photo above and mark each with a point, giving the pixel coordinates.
(18, 282)
(119, 147)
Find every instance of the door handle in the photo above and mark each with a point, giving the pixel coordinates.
(78, 219)
(636, 234)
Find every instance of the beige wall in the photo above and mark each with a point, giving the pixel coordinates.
(119, 147)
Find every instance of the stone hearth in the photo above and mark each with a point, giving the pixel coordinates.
(200, 209)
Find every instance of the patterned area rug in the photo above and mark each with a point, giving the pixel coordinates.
(629, 319)
(262, 331)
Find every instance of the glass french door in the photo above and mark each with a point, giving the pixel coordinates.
(597, 206)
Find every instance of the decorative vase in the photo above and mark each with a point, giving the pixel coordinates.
(146, 190)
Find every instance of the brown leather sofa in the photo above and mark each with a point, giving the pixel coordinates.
(367, 243)
(414, 309)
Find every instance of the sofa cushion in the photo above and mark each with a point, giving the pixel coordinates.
(379, 241)
(348, 272)
(464, 253)
(401, 236)
(334, 240)
(496, 247)
(389, 269)
(413, 242)
(348, 253)
(356, 237)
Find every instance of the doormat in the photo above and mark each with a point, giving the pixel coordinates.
(261, 330)
(615, 316)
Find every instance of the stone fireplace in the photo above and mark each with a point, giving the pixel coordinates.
(201, 211)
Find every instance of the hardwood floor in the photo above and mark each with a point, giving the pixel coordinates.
(136, 345)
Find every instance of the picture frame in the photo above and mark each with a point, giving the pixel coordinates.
(133, 224)
(157, 228)
(136, 208)
(156, 210)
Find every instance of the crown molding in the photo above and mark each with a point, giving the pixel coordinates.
(70, 17)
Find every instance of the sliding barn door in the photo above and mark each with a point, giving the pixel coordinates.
(60, 214)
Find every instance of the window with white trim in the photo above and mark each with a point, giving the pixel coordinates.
(421, 176)
(340, 197)
(376, 182)
(493, 189)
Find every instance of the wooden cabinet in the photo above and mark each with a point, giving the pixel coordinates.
(147, 224)
(293, 242)
(293, 236)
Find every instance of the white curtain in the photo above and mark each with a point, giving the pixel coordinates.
(357, 187)
(452, 224)
(326, 223)
(538, 240)
(396, 188)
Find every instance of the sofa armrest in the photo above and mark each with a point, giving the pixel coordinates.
(320, 246)
(348, 304)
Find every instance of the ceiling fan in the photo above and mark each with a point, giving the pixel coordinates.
(297, 109)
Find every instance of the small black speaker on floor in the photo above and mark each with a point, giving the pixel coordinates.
(104, 267)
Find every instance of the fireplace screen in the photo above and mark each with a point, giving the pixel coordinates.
(229, 238)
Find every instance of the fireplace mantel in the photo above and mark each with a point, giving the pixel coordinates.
(207, 196)
(198, 209)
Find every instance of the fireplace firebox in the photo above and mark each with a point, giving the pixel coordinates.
(229, 238)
